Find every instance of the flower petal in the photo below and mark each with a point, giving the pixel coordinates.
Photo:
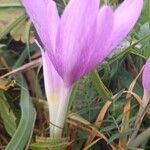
(94, 50)
(103, 31)
(53, 21)
(36, 11)
(57, 95)
(44, 16)
(125, 17)
(53, 83)
(78, 17)
(146, 76)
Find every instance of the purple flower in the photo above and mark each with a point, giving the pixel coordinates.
(84, 35)
(76, 42)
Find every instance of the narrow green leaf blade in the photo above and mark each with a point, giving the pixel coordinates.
(28, 115)
(7, 115)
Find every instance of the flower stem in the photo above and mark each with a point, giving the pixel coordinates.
(58, 109)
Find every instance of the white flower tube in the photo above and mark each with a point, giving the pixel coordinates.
(57, 95)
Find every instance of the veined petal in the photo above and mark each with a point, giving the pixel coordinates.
(94, 51)
(45, 18)
(37, 12)
(104, 26)
(76, 20)
(53, 83)
(53, 21)
(125, 17)
(57, 95)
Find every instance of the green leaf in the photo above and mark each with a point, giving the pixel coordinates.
(5, 18)
(140, 139)
(21, 31)
(99, 85)
(10, 4)
(119, 135)
(11, 23)
(7, 115)
(79, 118)
(46, 143)
(23, 56)
(28, 115)
(10, 27)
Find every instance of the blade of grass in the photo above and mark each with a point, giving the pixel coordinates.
(23, 68)
(23, 56)
(99, 85)
(7, 115)
(127, 50)
(140, 139)
(138, 123)
(50, 143)
(80, 122)
(13, 25)
(126, 111)
(27, 36)
(28, 115)
(149, 12)
(98, 122)
(121, 134)
(90, 145)
(14, 4)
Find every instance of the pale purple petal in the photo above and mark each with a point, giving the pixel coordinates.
(57, 94)
(94, 50)
(53, 81)
(45, 18)
(53, 21)
(146, 76)
(76, 20)
(37, 12)
(103, 31)
(53, 84)
(125, 17)
(83, 36)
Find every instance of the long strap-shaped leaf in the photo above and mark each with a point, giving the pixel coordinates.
(28, 115)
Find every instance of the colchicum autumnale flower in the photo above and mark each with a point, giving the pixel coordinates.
(75, 43)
